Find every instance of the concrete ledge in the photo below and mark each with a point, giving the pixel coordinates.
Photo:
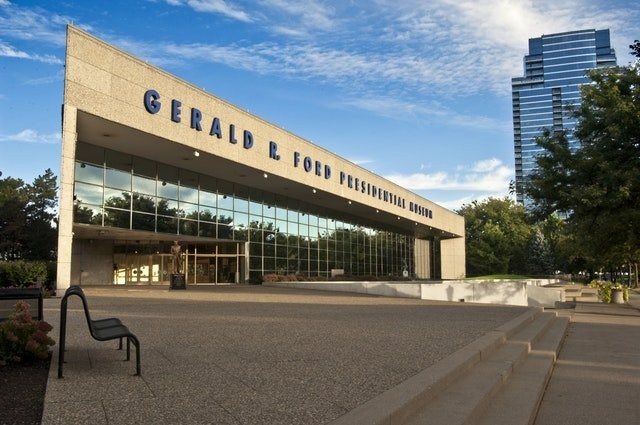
(504, 292)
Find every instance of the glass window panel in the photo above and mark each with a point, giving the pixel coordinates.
(241, 205)
(167, 207)
(189, 210)
(207, 230)
(269, 265)
(225, 217)
(292, 215)
(146, 185)
(269, 211)
(188, 178)
(255, 263)
(281, 251)
(141, 221)
(118, 160)
(303, 218)
(116, 218)
(281, 265)
(87, 214)
(167, 189)
(224, 231)
(208, 198)
(255, 209)
(144, 167)
(281, 213)
(313, 220)
(225, 202)
(117, 179)
(207, 214)
(241, 220)
(303, 230)
(189, 194)
(117, 198)
(281, 226)
(144, 203)
(269, 250)
(292, 228)
(167, 225)
(188, 227)
(88, 194)
(89, 173)
(89, 153)
(255, 248)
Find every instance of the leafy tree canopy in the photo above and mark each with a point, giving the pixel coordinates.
(27, 218)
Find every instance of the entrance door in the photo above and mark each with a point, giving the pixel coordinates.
(205, 270)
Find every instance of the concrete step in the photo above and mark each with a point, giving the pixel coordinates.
(402, 402)
(469, 397)
(518, 400)
(497, 379)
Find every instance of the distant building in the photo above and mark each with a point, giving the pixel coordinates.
(554, 70)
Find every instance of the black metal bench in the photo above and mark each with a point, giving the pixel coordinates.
(101, 329)
(23, 294)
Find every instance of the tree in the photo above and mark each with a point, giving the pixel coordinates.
(13, 199)
(497, 232)
(41, 234)
(27, 218)
(597, 187)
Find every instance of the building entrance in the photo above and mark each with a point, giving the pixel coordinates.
(202, 264)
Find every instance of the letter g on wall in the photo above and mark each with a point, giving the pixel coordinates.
(152, 101)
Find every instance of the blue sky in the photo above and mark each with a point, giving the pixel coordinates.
(416, 91)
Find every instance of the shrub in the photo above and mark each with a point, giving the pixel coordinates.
(21, 274)
(22, 338)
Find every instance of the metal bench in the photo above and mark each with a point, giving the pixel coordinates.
(101, 329)
(23, 294)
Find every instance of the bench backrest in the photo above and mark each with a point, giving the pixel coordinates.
(76, 290)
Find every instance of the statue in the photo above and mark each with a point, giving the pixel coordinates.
(176, 251)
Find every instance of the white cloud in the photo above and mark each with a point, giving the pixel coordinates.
(213, 6)
(489, 175)
(31, 136)
(8, 51)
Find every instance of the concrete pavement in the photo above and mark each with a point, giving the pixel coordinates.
(596, 379)
(256, 355)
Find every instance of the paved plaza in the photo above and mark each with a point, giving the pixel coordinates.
(250, 354)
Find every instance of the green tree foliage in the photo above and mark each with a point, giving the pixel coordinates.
(597, 186)
(497, 236)
(27, 213)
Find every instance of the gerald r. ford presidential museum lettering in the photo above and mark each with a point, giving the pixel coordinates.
(153, 105)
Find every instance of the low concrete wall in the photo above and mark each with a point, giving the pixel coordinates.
(506, 292)
(387, 289)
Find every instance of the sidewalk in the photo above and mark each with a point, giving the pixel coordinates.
(596, 379)
(257, 355)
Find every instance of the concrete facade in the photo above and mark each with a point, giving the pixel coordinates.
(117, 102)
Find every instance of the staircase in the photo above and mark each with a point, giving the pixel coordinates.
(498, 379)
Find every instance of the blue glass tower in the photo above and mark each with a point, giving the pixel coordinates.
(554, 70)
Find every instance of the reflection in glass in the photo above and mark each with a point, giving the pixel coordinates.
(89, 173)
(290, 238)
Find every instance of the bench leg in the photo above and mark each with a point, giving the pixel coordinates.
(136, 343)
(120, 344)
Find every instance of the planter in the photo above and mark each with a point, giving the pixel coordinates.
(617, 296)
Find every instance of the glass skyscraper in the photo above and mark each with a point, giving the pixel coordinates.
(554, 70)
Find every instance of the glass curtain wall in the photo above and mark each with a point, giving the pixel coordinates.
(114, 189)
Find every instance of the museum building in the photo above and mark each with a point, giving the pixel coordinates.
(149, 159)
